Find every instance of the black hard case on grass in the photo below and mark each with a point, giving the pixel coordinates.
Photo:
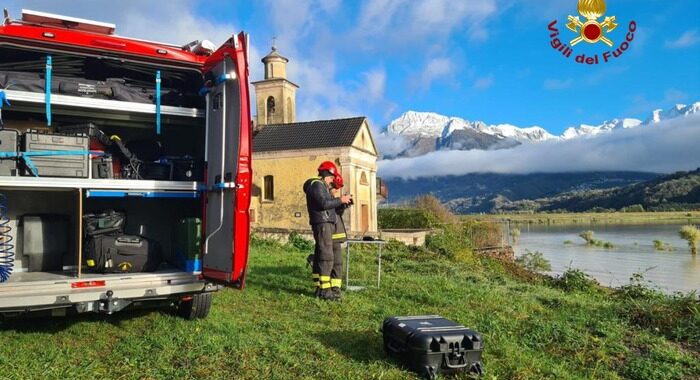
(122, 254)
(431, 344)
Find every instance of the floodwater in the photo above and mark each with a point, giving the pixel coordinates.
(670, 271)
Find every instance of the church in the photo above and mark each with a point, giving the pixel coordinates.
(287, 152)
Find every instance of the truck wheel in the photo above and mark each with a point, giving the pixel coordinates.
(197, 307)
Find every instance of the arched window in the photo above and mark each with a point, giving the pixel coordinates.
(270, 110)
(269, 188)
(363, 179)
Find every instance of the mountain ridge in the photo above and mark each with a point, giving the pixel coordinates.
(424, 132)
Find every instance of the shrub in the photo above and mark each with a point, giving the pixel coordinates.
(660, 245)
(404, 218)
(436, 209)
(587, 236)
(633, 208)
(534, 261)
(676, 316)
(568, 242)
(482, 234)
(575, 280)
(299, 242)
(692, 235)
(448, 242)
(263, 242)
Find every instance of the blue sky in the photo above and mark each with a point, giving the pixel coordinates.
(484, 60)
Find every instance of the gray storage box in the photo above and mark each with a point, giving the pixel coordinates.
(56, 166)
(8, 143)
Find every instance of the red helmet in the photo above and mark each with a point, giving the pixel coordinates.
(328, 166)
(338, 182)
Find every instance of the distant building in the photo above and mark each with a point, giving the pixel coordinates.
(286, 153)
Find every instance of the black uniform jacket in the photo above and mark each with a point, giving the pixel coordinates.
(319, 201)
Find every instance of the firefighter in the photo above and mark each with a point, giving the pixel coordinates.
(339, 237)
(322, 216)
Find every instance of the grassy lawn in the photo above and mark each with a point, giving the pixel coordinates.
(593, 218)
(533, 328)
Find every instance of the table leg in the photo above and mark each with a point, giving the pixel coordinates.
(379, 267)
(347, 266)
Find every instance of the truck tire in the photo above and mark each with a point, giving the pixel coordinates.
(196, 308)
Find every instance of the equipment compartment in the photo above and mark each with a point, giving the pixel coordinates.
(97, 78)
(35, 218)
(152, 218)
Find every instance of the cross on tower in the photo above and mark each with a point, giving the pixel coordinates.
(274, 42)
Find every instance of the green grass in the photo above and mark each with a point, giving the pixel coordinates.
(592, 218)
(533, 327)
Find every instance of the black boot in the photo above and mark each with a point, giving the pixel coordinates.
(336, 292)
(327, 294)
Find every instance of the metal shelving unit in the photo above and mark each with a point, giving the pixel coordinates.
(126, 185)
(106, 107)
(111, 110)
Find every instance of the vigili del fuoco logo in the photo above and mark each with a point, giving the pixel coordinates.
(592, 31)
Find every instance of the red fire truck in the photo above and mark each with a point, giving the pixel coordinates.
(125, 168)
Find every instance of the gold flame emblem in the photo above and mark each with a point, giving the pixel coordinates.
(591, 30)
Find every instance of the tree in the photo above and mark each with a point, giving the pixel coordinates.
(587, 236)
(691, 234)
(433, 205)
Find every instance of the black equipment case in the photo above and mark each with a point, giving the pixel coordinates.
(431, 344)
(75, 166)
(106, 222)
(122, 254)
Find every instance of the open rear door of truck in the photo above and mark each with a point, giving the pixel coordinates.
(228, 153)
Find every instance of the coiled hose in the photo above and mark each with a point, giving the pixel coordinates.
(7, 255)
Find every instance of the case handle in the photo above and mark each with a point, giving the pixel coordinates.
(462, 362)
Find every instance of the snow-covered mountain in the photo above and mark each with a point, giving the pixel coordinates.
(677, 111)
(430, 124)
(591, 130)
(425, 132)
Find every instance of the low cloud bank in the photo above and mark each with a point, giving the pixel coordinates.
(665, 147)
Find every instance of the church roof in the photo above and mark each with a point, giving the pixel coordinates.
(308, 135)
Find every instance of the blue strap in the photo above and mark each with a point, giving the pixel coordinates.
(158, 102)
(48, 90)
(141, 194)
(30, 165)
(26, 156)
(3, 99)
(221, 79)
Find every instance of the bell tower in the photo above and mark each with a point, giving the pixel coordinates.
(275, 101)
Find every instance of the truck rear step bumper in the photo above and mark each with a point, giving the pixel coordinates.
(60, 293)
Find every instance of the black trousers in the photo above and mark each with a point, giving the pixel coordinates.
(323, 254)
